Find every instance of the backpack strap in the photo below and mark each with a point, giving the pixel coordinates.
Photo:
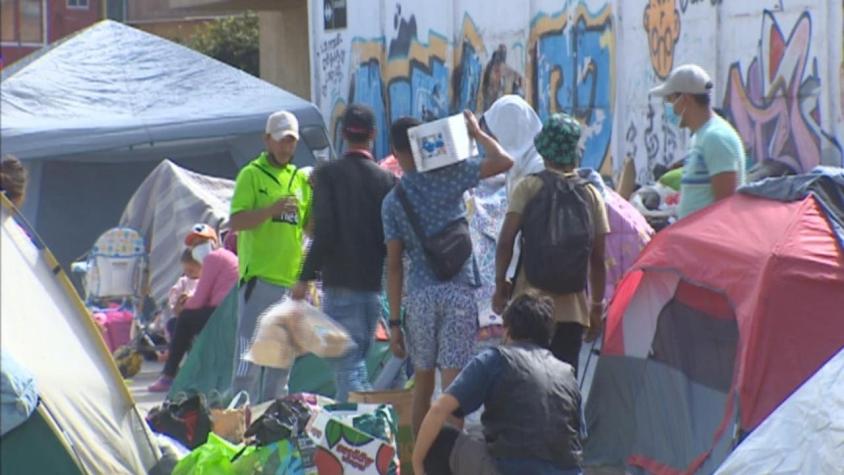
(411, 214)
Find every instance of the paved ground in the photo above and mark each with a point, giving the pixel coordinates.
(138, 386)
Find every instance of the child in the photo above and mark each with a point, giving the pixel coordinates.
(183, 289)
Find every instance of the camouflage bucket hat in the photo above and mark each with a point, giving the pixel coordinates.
(558, 139)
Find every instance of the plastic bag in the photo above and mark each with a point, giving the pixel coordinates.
(278, 458)
(291, 328)
(211, 458)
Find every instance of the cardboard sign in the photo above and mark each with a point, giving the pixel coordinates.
(441, 143)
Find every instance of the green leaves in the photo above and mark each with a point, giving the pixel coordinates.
(232, 40)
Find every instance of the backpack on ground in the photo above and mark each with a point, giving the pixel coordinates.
(557, 235)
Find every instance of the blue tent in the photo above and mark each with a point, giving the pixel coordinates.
(93, 115)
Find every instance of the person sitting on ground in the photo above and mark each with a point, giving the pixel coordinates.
(532, 417)
(182, 290)
(218, 276)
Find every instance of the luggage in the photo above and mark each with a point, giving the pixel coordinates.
(116, 325)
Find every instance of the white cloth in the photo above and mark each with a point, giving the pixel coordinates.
(514, 124)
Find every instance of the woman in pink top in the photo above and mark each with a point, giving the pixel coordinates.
(218, 276)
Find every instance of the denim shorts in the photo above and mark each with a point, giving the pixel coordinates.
(442, 322)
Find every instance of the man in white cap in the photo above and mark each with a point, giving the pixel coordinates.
(269, 210)
(714, 163)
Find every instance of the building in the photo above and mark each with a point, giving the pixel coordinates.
(28, 25)
(160, 18)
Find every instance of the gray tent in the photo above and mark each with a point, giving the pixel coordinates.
(93, 115)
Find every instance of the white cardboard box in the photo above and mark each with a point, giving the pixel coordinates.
(441, 143)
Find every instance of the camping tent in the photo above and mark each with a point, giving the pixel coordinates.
(724, 315)
(169, 201)
(89, 127)
(86, 420)
(804, 435)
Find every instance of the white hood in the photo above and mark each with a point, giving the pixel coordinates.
(514, 123)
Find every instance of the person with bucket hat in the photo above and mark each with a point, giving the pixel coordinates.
(563, 222)
(216, 279)
(714, 163)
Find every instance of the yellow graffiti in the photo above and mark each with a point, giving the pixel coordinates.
(662, 25)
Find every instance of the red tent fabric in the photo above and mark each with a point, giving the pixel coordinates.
(774, 269)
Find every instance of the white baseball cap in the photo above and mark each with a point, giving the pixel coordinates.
(281, 124)
(685, 79)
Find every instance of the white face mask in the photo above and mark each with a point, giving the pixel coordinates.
(201, 251)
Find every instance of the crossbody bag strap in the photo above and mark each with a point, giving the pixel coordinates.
(411, 214)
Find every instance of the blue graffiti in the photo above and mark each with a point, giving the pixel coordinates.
(369, 89)
(574, 70)
(469, 78)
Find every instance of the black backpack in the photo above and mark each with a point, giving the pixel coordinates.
(557, 235)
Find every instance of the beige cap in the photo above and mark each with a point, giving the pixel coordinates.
(685, 79)
(281, 124)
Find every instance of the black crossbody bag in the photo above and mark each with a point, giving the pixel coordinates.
(446, 251)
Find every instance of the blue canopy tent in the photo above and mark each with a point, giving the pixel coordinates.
(92, 116)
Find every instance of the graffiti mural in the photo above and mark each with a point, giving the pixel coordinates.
(662, 25)
(571, 70)
(776, 106)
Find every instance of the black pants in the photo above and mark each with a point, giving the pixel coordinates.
(566, 343)
(188, 324)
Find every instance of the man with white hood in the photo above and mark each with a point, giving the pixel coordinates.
(514, 123)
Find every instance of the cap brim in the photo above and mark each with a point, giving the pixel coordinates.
(278, 136)
(660, 91)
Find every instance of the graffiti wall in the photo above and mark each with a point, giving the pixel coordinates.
(777, 68)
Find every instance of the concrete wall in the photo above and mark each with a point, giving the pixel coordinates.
(284, 48)
(777, 67)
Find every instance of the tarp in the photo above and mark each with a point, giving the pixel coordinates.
(90, 127)
(804, 435)
(164, 208)
(721, 318)
(47, 329)
(137, 89)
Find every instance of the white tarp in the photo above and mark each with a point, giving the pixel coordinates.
(45, 329)
(804, 435)
(163, 209)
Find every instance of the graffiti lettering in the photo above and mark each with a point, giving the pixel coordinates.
(776, 107)
(684, 4)
(571, 70)
(331, 57)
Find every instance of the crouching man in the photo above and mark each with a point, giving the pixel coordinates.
(532, 417)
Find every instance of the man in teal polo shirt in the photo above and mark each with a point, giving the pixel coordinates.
(269, 210)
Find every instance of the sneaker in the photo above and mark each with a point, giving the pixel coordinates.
(162, 385)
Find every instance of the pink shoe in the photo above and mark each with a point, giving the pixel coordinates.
(162, 385)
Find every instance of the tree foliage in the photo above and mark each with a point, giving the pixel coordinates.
(233, 40)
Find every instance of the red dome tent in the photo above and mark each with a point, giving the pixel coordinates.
(722, 317)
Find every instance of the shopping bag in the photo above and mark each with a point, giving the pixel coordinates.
(278, 458)
(211, 458)
(185, 419)
(354, 439)
(309, 329)
(402, 402)
(231, 422)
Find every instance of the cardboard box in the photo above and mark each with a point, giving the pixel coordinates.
(344, 450)
(441, 143)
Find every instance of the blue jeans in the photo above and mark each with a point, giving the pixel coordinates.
(358, 312)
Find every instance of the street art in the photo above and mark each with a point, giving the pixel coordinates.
(571, 70)
(409, 79)
(662, 25)
(684, 4)
(776, 107)
(475, 86)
